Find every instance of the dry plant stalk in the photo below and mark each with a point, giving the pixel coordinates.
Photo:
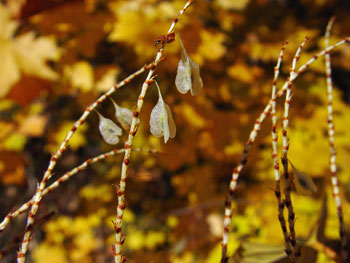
(287, 188)
(252, 136)
(41, 190)
(333, 165)
(53, 161)
(24, 207)
(291, 245)
(118, 258)
(280, 202)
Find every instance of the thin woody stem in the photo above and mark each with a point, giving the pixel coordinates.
(48, 173)
(288, 201)
(331, 131)
(280, 203)
(252, 136)
(289, 97)
(291, 214)
(118, 258)
(24, 207)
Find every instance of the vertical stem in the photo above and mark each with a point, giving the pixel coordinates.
(53, 161)
(289, 248)
(118, 258)
(288, 202)
(127, 147)
(333, 165)
(237, 170)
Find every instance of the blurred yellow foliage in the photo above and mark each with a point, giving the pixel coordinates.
(15, 141)
(102, 40)
(134, 16)
(243, 73)
(107, 80)
(69, 239)
(53, 253)
(80, 75)
(211, 46)
(308, 210)
(135, 240)
(332, 224)
(33, 125)
(154, 238)
(172, 221)
(187, 257)
(192, 117)
(103, 193)
(24, 53)
(58, 136)
(235, 5)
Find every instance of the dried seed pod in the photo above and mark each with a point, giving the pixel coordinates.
(161, 121)
(124, 115)
(188, 77)
(109, 130)
(303, 183)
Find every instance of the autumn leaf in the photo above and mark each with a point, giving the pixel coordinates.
(131, 20)
(80, 75)
(23, 54)
(12, 168)
(33, 125)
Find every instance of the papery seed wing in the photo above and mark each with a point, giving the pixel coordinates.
(303, 183)
(109, 130)
(156, 121)
(197, 84)
(183, 79)
(171, 122)
(123, 115)
(165, 124)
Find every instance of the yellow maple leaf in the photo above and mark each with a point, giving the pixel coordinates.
(24, 53)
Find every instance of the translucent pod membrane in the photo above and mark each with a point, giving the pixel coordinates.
(188, 77)
(123, 115)
(161, 121)
(109, 130)
(303, 183)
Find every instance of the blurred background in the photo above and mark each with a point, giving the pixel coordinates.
(59, 56)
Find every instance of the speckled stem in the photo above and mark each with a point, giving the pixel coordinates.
(289, 248)
(333, 165)
(53, 161)
(118, 257)
(252, 136)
